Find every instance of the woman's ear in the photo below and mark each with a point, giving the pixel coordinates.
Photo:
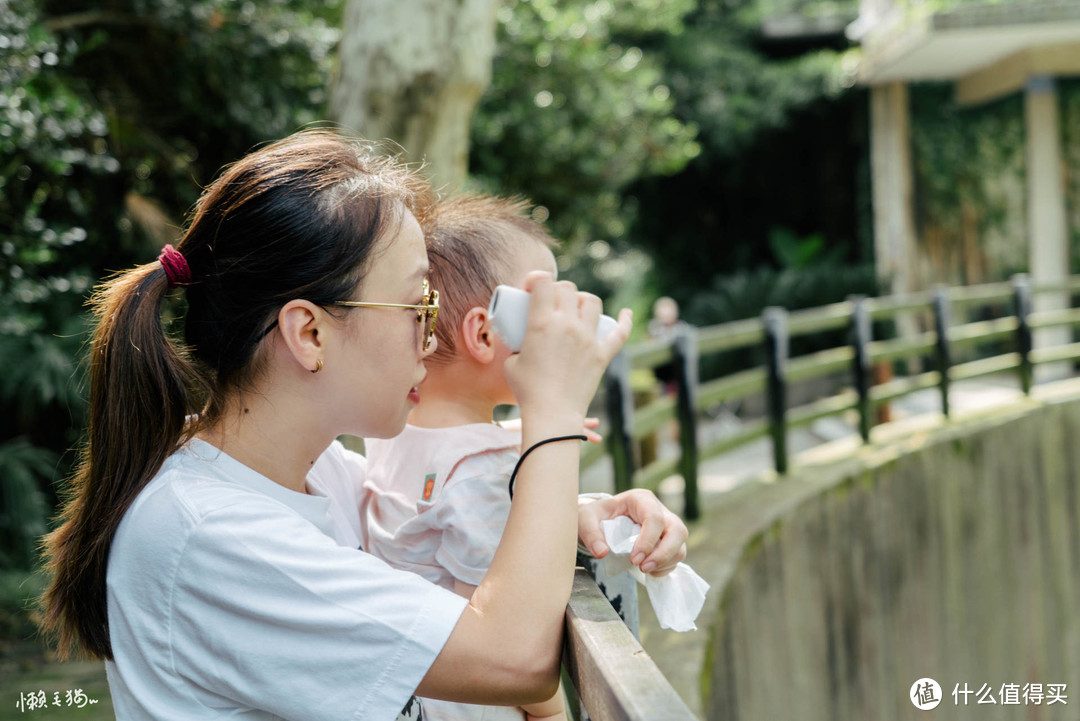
(300, 323)
(477, 337)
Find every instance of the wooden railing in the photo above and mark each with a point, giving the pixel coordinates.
(773, 333)
(614, 679)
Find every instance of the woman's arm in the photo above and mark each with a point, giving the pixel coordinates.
(554, 708)
(506, 647)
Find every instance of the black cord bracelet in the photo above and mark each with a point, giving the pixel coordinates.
(533, 447)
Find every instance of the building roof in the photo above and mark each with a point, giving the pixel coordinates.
(950, 45)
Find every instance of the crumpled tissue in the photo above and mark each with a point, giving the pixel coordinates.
(676, 598)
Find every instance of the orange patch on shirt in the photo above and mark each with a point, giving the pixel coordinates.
(429, 486)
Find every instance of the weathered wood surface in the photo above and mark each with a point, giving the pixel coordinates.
(613, 675)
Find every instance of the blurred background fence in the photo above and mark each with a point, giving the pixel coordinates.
(972, 332)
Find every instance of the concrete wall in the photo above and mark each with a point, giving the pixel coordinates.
(955, 555)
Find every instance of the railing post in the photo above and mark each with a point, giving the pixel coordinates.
(776, 357)
(1022, 303)
(620, 409)
(621, 591)
(861, 331)
(685, 351)
(941, 349)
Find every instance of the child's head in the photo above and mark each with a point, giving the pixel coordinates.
(479, 242)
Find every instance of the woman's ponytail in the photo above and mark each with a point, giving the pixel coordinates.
(141, 390)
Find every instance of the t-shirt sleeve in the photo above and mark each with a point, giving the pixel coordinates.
(270, 612)
(472, 516)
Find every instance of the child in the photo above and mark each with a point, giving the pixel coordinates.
(439, 498)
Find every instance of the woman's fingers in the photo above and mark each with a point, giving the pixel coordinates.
(561, 335)
(590, 307)
(539, 284)
(566, 296)
(590, 531)
(668, 552)
(662, 543)
(613, 342)
(651, 520)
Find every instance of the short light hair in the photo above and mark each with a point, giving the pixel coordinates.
(472, 250)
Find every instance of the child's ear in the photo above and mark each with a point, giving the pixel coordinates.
(477, 337)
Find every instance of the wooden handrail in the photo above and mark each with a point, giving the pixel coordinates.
(949, 347)
(612, 674)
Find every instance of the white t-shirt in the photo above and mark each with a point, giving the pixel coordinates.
(437, 504)
(230, 596)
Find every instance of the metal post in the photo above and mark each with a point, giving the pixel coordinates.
(620, 410)
(1022, 305)
(861, 332)
(941, 346)
(685, 352)
(776, 356)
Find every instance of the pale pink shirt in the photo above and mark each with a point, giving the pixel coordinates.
(437, 505)
(439, 499)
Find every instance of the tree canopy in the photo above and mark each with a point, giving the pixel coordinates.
(114, 114)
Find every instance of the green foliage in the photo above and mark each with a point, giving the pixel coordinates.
(780, 135)
(797, 253)
(57, 171)
(111, 117)
(1070, 139)
(808, 277)
(731, 91)
(969, 167)
(746, 294)
(22, 504)
(577, 109)
(591, 98)
(19, 591)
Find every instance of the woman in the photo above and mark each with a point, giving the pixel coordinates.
(208, 550)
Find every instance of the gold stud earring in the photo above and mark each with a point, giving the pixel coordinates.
(318, 366)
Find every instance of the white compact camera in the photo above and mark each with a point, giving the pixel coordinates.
(509, 313)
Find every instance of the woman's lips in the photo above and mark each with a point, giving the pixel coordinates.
(414, 392)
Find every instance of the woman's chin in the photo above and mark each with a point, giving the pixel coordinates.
(385, 430)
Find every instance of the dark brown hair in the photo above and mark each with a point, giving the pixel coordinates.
(471, 251)
(295, 219)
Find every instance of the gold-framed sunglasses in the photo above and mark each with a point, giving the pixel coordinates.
(426, 312)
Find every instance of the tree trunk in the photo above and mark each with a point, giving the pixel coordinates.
(412, 71)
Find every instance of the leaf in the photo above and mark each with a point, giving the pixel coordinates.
(23, 511)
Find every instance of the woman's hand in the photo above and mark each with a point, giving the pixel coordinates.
(561, 360)
(662, 543)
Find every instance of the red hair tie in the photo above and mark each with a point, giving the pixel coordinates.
(175, 265)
